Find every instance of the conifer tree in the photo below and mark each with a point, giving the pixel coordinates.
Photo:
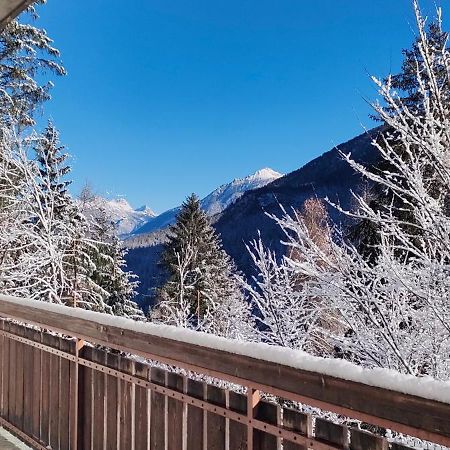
(202, 287)
(110, 268)
(26, 56)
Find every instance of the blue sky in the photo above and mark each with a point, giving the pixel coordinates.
(167, 98)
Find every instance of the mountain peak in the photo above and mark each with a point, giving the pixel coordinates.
(266, 173)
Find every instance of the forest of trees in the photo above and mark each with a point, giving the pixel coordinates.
(375, 292)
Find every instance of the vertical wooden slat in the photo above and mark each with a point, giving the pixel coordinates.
(55, 373)
(28, 371)
(194, 422)
(85, 416)
(12, 377)
(45, 400)
(141, 408)
(269, 413)
(74, 396)
(36, 389)
(112, 404)
(174, 412)
(98, 437)
(158, 412)
(215, 424)
(363, 440)
(237, 431)
(126, 407)
(19, 331)
(64, 396)
(299, 422)
(331, 432)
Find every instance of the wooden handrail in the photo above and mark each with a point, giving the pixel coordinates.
(9, 9)
(420, 417)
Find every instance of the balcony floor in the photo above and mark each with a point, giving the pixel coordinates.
(9, 442)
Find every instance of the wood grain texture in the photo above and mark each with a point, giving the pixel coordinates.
(331, 432)
(299, 422)
(195, 416)
(359, 400)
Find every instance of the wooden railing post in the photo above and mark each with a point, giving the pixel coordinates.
(75, 395)
(253, 398)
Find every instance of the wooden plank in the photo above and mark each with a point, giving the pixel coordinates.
(142, 408)
(98, 437)
(64, 396)
(215, 424)
(174, 413)
(19, 331)
(45, 400)
(112, 404)
(237, 431)
(195, 416)
(299, 422)
(126, 406)
(28, 371)
(73, 394)
(330, 432)
(269, 413)
(363, 440)
(427, 419)
(5, 375)
(85, 410)
(37, 386)
(54, 394)
(158, 412)
(12, 377)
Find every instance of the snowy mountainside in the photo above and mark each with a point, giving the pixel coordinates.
(120, 212)
(325, 176)
(217, 201)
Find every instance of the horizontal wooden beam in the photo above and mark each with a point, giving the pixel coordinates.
(9, 9)
(416, 416)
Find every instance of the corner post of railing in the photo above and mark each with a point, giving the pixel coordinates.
(75, 395)
(253, 398)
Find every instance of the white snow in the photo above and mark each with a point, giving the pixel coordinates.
(384, 378)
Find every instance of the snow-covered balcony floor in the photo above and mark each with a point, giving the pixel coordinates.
(9, 442)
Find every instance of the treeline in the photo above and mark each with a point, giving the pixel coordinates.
(50, 249)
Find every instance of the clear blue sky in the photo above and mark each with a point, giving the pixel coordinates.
(164, 98)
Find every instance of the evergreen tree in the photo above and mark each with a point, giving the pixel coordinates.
(424, 57)
(26, 56)
(110, 267)
(202, 287)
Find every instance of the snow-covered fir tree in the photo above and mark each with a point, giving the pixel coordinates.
(202, 287)
(110, 267)
(27, 57)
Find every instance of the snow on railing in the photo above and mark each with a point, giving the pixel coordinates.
(419, 407)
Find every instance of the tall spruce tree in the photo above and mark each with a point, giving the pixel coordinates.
(202, 287)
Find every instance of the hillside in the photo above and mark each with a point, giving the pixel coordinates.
(327, 175)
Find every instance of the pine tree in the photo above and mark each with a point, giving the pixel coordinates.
(110, 267)
(26, 56)
(202, 287)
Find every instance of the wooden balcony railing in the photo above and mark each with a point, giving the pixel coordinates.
(63, 385)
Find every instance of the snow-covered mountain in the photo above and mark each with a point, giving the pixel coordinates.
(121, 213)
(217, 201)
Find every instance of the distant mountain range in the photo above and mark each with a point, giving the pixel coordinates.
(214, 203)
(127, 219)
(239, 209)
